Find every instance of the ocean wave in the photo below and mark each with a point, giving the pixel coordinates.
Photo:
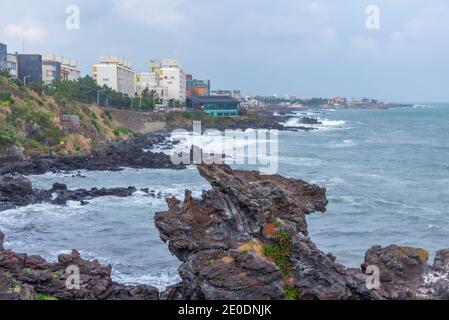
(344, 144)
(344, 200)
(419, 106)
(160, 280)
(301, 161)
(86, 255)
(222, 144)
(326, 124)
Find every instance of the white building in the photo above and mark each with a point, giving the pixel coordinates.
(69, 70)
(150, 81)
(155, 66)
(59, 67)
(236, 94)
(173, 78)
(12, 64)
(116, 73)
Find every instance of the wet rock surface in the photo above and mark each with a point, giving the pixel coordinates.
(17, 191)
(24, 277)
(246, 238)
(249, 233)
(111, 156)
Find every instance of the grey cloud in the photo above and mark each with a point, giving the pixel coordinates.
(307, 48)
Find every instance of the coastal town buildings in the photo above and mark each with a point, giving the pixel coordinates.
(12, 65)
(236, 94)
(69, 69)
(116, 73)
(3, 54)
(166, 79)
(54, 66)
(195, 87)
(155, 66)
(216, 106)
(51, 70)
(146, 80)
(172, 76)
(150, 81)
(29, 68)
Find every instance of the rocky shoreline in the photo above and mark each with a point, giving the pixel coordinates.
(246, 238)
(263, 120)
(110, 156)
(17, 191)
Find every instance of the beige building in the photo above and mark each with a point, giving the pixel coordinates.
(150, 81)
(54, 66)
(116, 73)
(173, 78)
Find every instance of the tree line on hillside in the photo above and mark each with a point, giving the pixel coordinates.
(86, 90)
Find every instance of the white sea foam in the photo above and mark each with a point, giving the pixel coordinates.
(217, 144)
(160, 280)
(344, 144)
(326, 124)
(301, 161)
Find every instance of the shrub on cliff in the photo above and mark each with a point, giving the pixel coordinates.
(8, 137)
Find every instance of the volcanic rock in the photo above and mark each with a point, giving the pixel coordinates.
(24, 277)
(111, 156)
(247, 238)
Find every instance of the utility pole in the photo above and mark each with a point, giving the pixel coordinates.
(25, 80)
(98, 97)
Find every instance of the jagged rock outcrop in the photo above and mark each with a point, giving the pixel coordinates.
(405, 273)
(247, 239)
(24, 277)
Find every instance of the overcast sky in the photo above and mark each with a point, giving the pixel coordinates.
(297, 47)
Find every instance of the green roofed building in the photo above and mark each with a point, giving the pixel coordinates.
(215, 106)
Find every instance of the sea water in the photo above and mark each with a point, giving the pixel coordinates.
(386, 174)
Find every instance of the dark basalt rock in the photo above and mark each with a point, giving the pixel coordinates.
(248, 234)
(23, 277)
(110, 156)
(308, 120)
(17, 191)
(247, 238)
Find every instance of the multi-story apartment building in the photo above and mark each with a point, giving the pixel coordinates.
(150, 81)
(3, 54)
(51, 70)
(12, 64)
(70, 70)
(173, 78)
(236, 94)
(29, 67)
(155, 66)
(116, 73)
(195, 87)
(59, 67)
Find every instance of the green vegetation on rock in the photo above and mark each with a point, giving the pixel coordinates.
(42, 297)
(291, 293)
(279, 252)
